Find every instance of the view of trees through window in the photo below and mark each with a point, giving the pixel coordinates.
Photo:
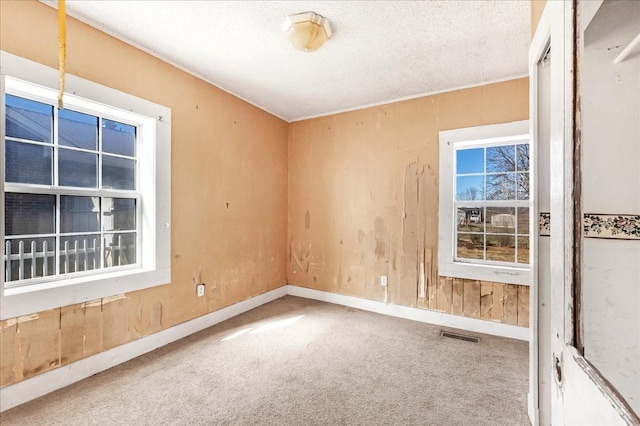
(492, 203)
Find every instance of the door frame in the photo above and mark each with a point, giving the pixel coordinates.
(538, 49)
(579, 393)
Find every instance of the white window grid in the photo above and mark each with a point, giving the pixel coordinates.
(484, 203)
(59, 191)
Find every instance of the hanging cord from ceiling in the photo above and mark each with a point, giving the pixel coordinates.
(62, 46)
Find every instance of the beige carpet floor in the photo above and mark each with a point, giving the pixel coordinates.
(302, 362)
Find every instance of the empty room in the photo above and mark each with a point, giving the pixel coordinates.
(320, 212)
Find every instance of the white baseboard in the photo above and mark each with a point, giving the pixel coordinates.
(415, 314)
(532, 410)
(42, 384)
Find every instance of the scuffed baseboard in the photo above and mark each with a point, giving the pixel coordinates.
(42, 384)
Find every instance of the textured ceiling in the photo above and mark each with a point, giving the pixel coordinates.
(380, 50)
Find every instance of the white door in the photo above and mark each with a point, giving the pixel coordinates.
(580, 169)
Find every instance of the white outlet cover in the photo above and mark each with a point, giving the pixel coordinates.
(200, 289)
(383, 280)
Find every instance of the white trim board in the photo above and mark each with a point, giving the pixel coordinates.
(408, 97)
(414, 314)
(42, 384)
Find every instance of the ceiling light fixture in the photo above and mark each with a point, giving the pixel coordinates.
(307, 31)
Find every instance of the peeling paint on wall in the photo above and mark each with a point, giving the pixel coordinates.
(349, 170)
(410, 238)
(300, 257)
(26, 318)
(382, 239)
(230, 151)
(116, 321)
(370, 177)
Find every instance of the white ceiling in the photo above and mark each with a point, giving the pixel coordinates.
(380, 50)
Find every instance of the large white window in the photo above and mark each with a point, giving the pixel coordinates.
(485, 203)
(71, 194)
(85, 191)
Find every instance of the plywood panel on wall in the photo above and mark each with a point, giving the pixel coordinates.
(486, 300)
(363, 196)
(8, 330)
(510, 304)
(80, 331)
(457, 297)
(229, 197)
(523, 306)
(38, 340)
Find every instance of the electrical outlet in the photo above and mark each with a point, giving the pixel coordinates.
(383, 281)
(200, 290)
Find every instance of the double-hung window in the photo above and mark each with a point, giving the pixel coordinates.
(85, 191)
(71, 194)
(485, 203)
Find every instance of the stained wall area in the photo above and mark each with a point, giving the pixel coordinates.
(229, 195)
(330, 203)
(363, 202)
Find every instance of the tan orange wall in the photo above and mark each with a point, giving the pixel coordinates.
(537, 6)
(363, 199)
(229, 195)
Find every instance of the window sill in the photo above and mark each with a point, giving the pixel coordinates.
(471, 271)
(30, 299)
(37, 81)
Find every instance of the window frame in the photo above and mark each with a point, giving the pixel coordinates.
(22, 77)
(448, 264)
(21, 90)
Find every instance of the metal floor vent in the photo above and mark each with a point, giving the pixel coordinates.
(459, 336)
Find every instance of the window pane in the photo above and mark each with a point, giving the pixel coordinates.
(501, 248)
(501, 159)
(77, 169)
(470, 246)
(27, 163)
(119, 214)
(469, 161)
(77, 129)
(79, 253)
(522, 155)
(501, 186)
(523, 220)
(31, 248)
(469, 187)
(501, 220)
(120, 249)
(28, 119)
(79, 214)
(118, 138)
(27, 214)
(118, 173)
(523, 186)
(470, 219)
(523, 249)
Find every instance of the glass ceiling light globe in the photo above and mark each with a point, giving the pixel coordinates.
(307, 31)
